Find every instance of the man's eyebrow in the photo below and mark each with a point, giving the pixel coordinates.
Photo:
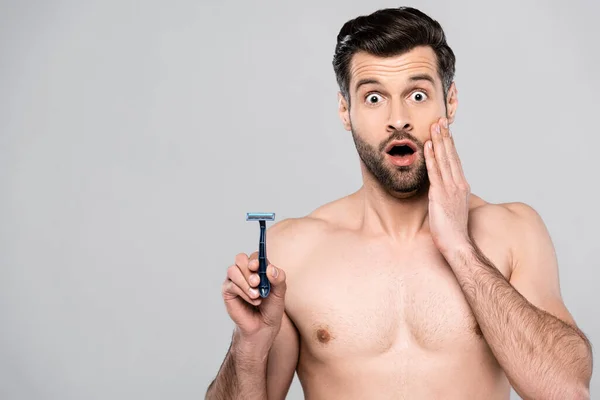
(422, 77)
(366, 81)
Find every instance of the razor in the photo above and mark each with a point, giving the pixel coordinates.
(264, 287)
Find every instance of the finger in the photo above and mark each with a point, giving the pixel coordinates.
(432, 169)
(253, 266)
(241, 259)
(234, 296)
(245, 291)
(452, 153)
(456, 164)
(232, 293)
(253, 278)
(253, 262)
(246, 265)
(439, 150)
(277, 277)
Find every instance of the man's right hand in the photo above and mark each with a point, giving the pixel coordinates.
(257, 320)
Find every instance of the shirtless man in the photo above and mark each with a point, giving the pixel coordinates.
(411, 287)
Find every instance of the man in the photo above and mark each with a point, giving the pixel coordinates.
(411, 287)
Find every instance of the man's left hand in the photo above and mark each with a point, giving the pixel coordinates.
(449, 191)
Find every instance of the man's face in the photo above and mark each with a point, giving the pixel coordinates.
(394, 101)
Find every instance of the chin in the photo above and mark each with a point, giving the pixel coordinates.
(412, 191)
(404, 195)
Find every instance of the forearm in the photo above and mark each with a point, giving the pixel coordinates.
(542, 356)
(243, 375)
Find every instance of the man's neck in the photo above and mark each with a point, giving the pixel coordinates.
(393, 215)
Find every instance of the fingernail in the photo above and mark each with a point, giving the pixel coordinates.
(437, 128)
(445, 122)
(274, 272)
(429, 144)
(254, 279)
(253, 292)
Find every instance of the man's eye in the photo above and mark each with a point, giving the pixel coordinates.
(419, 96)
(373, 98)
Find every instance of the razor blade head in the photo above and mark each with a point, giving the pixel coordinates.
(260, 216)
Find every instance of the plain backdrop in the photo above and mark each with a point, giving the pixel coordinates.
(134, 137)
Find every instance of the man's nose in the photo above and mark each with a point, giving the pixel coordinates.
(399, 118)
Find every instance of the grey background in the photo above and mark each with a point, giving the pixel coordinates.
(134, 136)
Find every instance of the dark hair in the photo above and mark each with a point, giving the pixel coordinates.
(390, 32)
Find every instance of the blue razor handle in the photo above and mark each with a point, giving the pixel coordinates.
(264, 286)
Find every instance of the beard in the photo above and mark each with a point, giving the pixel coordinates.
(398, 179)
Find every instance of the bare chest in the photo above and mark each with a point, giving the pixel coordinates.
(367, 301)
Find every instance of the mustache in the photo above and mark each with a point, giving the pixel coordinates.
(401, 135)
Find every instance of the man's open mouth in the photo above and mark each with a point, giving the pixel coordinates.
(402, 153)
(401, 149)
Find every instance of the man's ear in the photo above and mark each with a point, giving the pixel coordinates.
(451, 102)
(344, 111)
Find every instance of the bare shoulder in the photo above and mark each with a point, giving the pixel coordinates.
(293, 235)
(291, 240)
(503, 217)
(504, 231)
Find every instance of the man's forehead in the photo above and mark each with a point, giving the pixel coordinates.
(421, 60)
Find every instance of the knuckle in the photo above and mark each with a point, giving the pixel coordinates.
(281, 290)
(226, 288)
(241, 258)
(239, 292)
(464, 187)
(244, 268)
(283, 287)
(231, 271)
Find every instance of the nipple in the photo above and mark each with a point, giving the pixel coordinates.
(323, 335)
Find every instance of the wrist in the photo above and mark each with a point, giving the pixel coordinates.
(459, 253)
(250, 350)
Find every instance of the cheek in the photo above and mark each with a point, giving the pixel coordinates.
(424, 120)
(370, 119)
(368, 127)
(433, 113)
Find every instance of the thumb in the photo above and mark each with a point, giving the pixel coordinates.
(273, 306)
(277, 278)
